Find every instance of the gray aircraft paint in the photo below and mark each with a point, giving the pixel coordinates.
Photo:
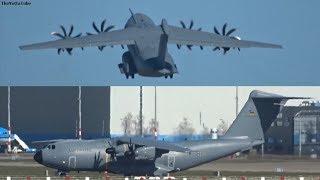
(246, 132)
(147, 53)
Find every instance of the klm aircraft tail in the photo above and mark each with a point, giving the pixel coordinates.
(255, 118)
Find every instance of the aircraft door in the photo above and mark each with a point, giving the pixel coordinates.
(72, 162)
(171, 161)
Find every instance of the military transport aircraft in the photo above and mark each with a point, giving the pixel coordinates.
(139, 156)
(147, 42)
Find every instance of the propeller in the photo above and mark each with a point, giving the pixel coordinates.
(97, 160)
(189, 27)
(100, 30)
(225, 33)
(130, 153)
(65, 35)
(111, 150)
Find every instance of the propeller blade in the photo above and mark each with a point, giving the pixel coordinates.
(189, 47)
(69, 51)
(191, 24)
(58, 35)
(216, 48)
(122, 46)
(178, 46)
(231, 31)
(59, 51)
(224, 29)
(238, 49)
(108, 28)
(77, 35)
(63, 30)
(225, 50)
(95, 27)
(183, 25)
(89, 34)
(102, 25)
(71, 30)
(201, 47)
(216, 30)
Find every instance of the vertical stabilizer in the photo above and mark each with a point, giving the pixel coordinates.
(255, 118)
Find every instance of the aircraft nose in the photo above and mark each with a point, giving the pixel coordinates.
(38, 156)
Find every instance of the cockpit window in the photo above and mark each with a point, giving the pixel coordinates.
(51, 146)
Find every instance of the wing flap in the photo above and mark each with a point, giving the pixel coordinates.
(117, 37)
(200, 38)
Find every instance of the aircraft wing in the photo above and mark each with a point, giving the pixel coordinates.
(117, 37)
(183, 36)
(153, 143)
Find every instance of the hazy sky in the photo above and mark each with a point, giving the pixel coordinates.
(174, 103)
(293, 23)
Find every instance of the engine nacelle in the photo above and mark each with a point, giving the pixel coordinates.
(127, 66)
(145, 153)
(118, 150)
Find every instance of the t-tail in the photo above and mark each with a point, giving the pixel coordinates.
(255, 118)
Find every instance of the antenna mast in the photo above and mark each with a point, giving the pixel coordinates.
(80, 120)
(140, 113)
(237, 101)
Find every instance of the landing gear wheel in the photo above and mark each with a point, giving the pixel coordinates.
(171, 76)
(127, 76)
(166, 76)
(132, 76)
(61, 173)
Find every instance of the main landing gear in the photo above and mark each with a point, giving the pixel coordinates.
(129, 75)
(171, 76)
(61, 173)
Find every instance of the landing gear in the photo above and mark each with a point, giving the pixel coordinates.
(170, 75)
(129, 75)
(61, 173)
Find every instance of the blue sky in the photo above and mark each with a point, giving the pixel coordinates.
(291, 23)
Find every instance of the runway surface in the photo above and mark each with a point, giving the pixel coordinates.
(23, 165)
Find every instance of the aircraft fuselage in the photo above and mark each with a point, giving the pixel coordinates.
(145, 55)
(90, 155)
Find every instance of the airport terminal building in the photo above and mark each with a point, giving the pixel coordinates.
(295, 124)
(42, 113)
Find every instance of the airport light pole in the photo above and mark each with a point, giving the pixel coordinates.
(155, 103)
(9, 120)
(80, 120)
(300, 138)
(140, 113)
(237, 101)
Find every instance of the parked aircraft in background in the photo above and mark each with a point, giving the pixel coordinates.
(17, 144)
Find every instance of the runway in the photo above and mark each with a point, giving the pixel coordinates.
(23, 165)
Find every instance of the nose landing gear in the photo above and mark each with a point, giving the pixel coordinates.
(171, 76)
